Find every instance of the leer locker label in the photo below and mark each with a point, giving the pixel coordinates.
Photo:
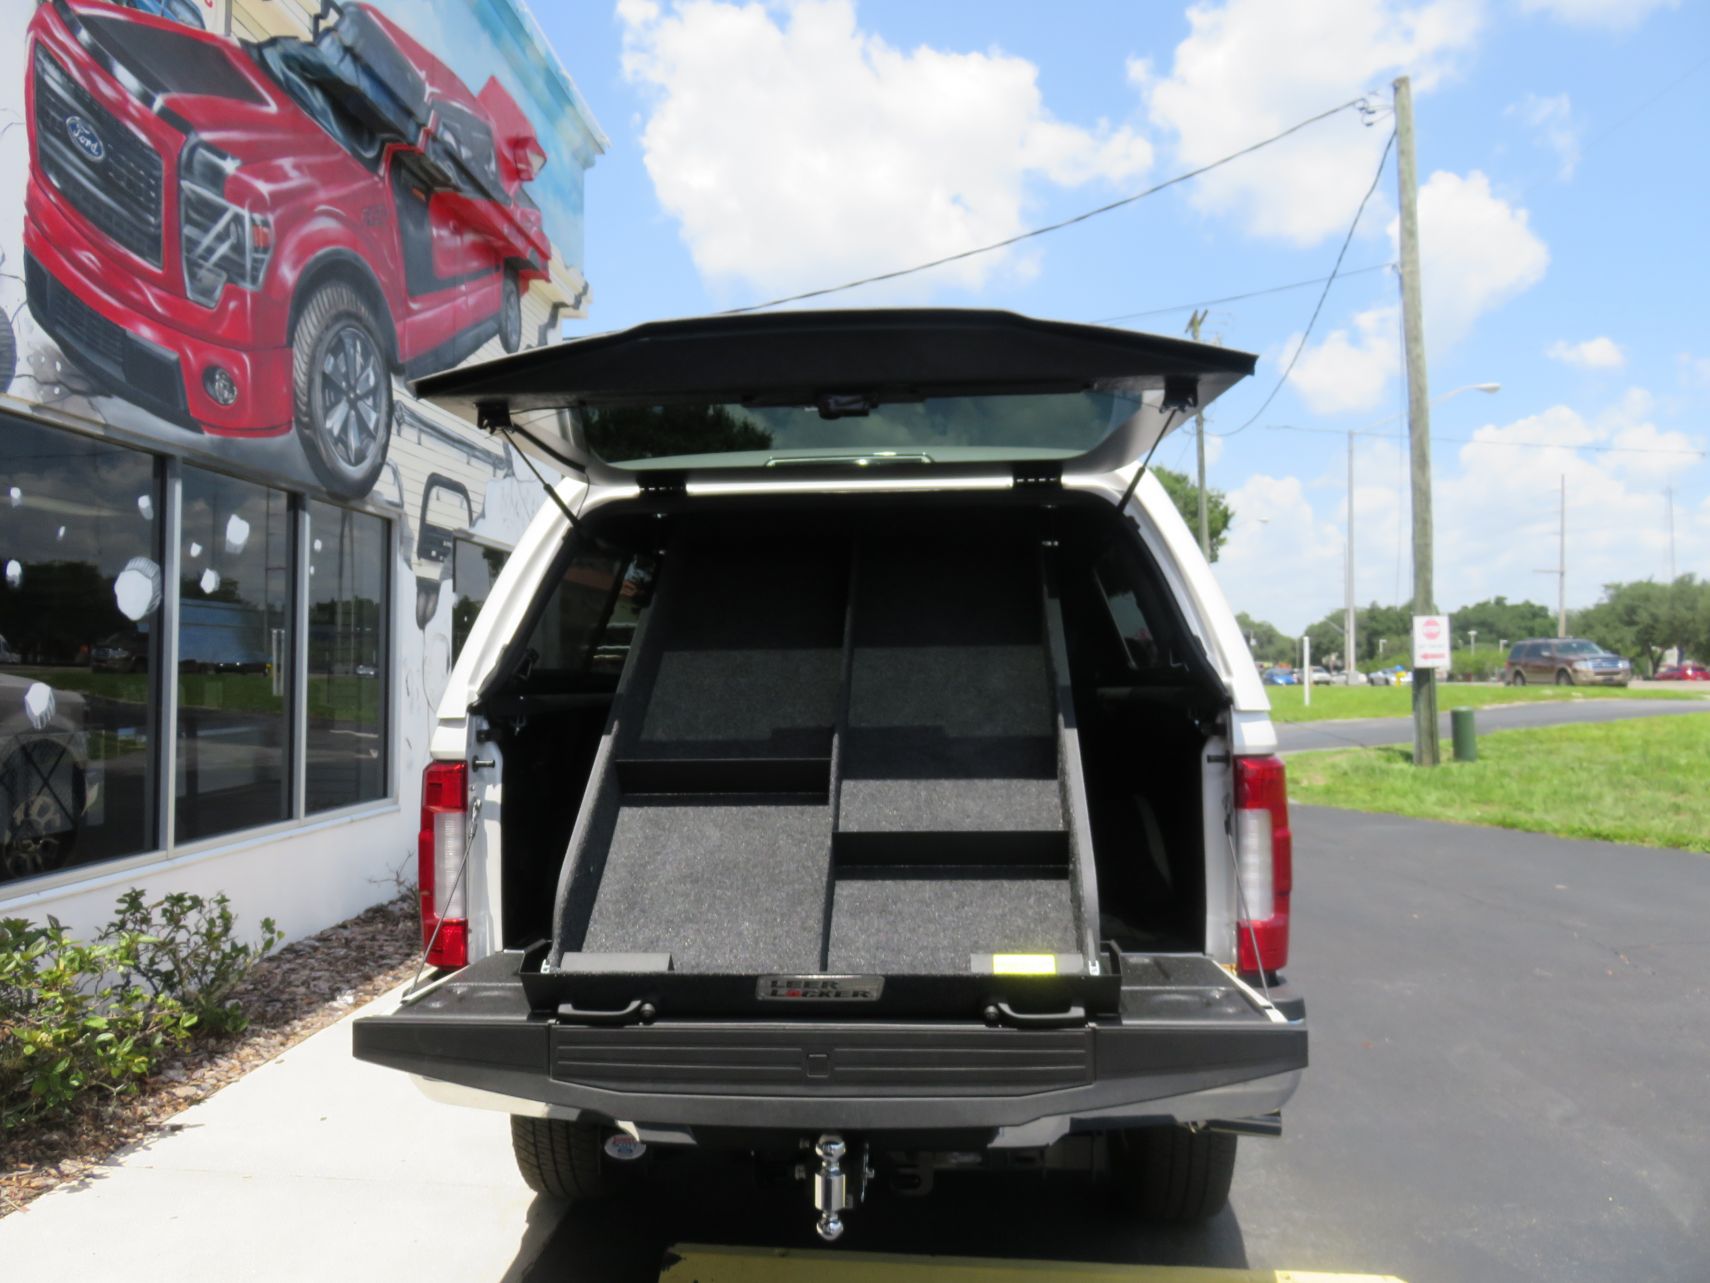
(820, 988)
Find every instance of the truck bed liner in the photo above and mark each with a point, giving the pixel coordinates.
(852, 756)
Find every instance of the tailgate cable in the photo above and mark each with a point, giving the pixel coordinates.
(468, 846)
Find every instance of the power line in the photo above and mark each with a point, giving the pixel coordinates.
(1603, 134)
(1236, 298)
(1529, 445)
(1324, 294)
(1360, 103)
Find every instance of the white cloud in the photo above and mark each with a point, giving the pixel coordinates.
(795, 148)
(1496, 510)
(1600, 353)
(1250, 68)
(1476, 252)
(1349, 370)
(1275, 525)
(1614, 14)
(1694, 370)
(1551, 122)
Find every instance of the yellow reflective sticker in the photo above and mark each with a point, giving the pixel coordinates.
(1024, 964)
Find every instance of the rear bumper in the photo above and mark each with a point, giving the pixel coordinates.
(477, 1043)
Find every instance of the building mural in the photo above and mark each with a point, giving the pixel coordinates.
(236, 230)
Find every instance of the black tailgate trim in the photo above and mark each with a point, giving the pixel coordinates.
(477, 1030)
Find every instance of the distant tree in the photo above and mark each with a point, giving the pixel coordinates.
(1643, 619)
(622, 433)
(1185, 495)
(1268, 643)
(1499, 619)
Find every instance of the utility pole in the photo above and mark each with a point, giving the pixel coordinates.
(1194, 322)
(1426, 751)
(1561, 565)
(1348, 571)
(1560, 572)
(1671, 574)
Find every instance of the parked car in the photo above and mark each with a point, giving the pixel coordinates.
(1687, 671)
(1321, 676)
(251, 239)
(1280, 677)
(1395, 675)
(122, 652)
(1566, 661)
(802, 856)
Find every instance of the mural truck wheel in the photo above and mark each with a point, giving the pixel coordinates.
(8, 351)
(341, 390)
(510, 313)
(41, 799)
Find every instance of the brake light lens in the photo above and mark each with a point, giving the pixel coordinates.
(439, 857)
(1264, 851)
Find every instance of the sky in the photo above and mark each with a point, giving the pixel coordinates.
(762, 149)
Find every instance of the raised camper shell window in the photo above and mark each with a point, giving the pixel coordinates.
(872, 431)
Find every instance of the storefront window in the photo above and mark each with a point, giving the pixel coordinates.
(345, 756)
(79, 631)
(234, 656)
(473, 569)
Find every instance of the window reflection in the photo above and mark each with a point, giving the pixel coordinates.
(79, 625)
(473, 570)
(234, 651)
(346, 749)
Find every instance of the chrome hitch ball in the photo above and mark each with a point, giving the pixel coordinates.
(830, 1186)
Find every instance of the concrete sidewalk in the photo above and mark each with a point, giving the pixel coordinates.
(314, 1166)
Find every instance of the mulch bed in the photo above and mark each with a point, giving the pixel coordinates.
(291, 994)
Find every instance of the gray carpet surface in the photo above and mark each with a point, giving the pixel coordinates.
(732, 885)
(950, 806)
(749, 653)
(742, 703)
(924, 926)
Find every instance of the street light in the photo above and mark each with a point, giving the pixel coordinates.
(1348, 586)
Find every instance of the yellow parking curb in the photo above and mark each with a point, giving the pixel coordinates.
(698, 1263)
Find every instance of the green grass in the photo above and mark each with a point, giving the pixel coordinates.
(1333, 703)
(1641, 781)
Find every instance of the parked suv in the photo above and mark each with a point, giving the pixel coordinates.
(1566, 661)
(253, 237)
(856, 767)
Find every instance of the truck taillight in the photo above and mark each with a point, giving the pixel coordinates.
(439, 864)
(1264, 851)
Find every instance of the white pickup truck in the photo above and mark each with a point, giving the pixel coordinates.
(857, 767)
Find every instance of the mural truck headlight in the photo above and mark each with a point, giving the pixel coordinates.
(221, 241)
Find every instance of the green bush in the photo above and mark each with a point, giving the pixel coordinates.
(72, 1023)
(186, 951)
(77, 1019)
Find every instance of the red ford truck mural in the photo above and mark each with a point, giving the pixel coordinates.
(252, 238)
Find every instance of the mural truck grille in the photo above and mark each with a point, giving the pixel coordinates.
(119, 189)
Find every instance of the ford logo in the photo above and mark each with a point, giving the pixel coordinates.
(84, 135)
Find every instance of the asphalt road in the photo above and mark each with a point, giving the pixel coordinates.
(1510, 1081)
(1371, 732)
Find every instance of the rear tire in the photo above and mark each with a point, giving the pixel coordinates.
(1172, 1174)
(1519, 679)
(564, 1160)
